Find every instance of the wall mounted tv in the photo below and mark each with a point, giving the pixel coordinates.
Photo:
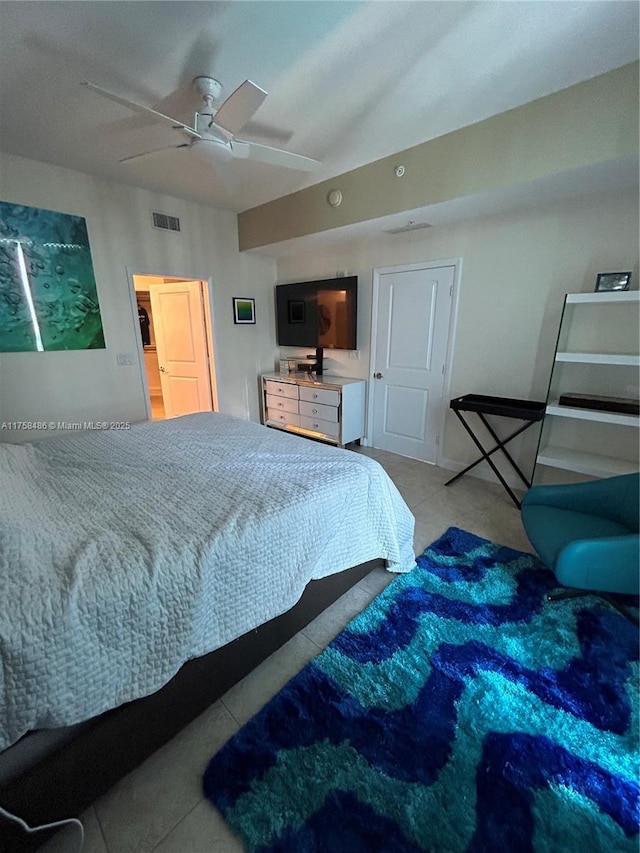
(321, 314)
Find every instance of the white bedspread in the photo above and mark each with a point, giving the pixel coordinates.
(124, 554)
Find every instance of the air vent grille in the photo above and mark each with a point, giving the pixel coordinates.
(410, 226)
(165, 222)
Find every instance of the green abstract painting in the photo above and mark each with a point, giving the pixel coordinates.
(48, 294)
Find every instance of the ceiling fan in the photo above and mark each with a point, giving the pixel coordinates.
(212, 134)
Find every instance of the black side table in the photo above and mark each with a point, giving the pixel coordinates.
(504, 407)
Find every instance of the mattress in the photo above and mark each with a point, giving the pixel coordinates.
(124, 554)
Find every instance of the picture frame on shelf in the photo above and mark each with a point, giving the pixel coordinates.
(244, 310)
(607, 282)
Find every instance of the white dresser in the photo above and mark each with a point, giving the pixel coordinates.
(329, 408)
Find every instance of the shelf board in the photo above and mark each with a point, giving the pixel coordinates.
(592, 464)
(600, 298)
(599, 358)
(592, 415)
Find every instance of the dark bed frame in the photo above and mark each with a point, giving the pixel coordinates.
(67, 781)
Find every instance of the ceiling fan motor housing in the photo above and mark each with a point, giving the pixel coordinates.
(207, 88)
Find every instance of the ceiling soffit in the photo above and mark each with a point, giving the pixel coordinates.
(590, 123)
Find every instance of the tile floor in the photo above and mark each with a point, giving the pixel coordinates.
(157, 407)
(159, 807)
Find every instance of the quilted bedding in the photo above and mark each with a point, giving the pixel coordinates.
(125, 554)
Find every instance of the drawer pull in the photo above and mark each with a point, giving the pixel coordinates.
(315, 396)
(281, 404)
(316, 426)
(280, 391)
(314, 411)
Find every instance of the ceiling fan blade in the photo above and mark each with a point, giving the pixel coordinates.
(152, 151)
(273, 156)
(268, 132)
(236, 111)
(132, 105)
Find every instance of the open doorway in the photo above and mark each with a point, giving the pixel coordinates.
(176, 344)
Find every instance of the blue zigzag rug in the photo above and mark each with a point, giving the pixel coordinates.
(460, 711)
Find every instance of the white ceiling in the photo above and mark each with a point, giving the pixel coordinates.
(348, 82)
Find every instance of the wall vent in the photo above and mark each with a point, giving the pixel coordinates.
(164, 221)
(410, 226)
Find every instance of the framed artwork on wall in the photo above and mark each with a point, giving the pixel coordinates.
(48, 293)
(244, 310)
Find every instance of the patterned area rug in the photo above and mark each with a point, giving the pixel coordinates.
(460, 711)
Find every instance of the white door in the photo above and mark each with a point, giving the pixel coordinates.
(178, 319)
(411, 339)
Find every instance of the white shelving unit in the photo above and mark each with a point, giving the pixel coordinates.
(598, 358)
(596, 354)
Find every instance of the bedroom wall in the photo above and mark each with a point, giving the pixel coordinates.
(88, 384)
(516, 269)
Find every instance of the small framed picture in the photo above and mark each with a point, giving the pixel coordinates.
(297, 311)
(244, 310)
(608, 281)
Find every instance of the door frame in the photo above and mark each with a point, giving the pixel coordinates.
(208, 328)
(456, 263)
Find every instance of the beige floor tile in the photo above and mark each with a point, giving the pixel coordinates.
(328, 624)
(413, 472)
(418, 482)
(246, 698)
(502, 523)
(379, 455)
(141, 809)
(376, 581)
(203, 830)
(93, 838)
(467, 495)
(157, 408)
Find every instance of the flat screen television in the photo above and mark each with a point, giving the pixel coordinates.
(320, 314)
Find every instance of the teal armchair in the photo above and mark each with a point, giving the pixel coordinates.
(588, 534)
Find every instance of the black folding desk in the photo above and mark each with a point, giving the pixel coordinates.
(527, 410)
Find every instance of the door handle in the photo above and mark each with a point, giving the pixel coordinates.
(378, 376)
(162, 370)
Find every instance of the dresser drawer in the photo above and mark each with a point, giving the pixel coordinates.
(284, 404)
(285, 418)
(318, 425)
(326, 396)
(281, 389)
(317, 410)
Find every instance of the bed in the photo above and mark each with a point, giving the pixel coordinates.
(145, 571)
